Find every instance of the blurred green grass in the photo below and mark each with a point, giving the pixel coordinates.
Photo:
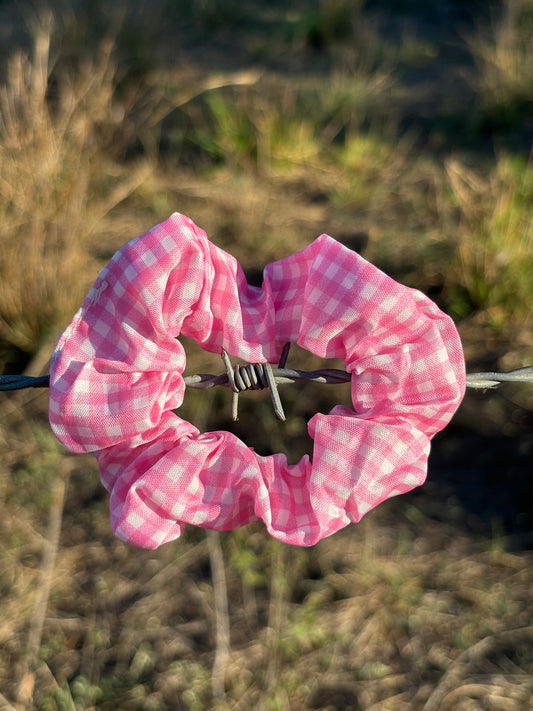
(402, 129)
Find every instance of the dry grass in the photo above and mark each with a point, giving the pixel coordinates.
(65, 129)
(504, 54)
(404, 612)
(56, 185)
(397, 613)
(496, 237)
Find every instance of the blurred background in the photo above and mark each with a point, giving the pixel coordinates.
(403, 130)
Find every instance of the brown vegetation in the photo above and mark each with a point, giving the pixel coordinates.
(403, 132)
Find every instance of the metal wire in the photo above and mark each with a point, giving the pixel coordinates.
(202, 381)
(20, 382)
(258, 376)
(484, 381)
(251, 376)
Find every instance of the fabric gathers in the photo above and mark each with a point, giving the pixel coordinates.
(117, 376)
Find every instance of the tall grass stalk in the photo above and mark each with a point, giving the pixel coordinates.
(496, 236)
(503, 52)
(56, 183)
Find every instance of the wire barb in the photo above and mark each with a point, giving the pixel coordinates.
(254, 376)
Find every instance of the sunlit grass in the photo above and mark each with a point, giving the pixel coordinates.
(496, 237)
(503, 52)
(380, 616)
(58, 180)
(281, 126)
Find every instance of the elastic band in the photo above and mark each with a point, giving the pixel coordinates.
(116, 376)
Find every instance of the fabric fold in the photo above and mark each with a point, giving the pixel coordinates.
(117, 374)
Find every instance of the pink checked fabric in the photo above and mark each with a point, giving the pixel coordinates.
(117, 372)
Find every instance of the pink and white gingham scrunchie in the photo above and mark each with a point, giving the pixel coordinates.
(117, 371)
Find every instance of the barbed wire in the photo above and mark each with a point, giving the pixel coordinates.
(201, 381)
(479, 381)
(259, 376)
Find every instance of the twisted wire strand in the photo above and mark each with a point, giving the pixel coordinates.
(260, 376)
(20, 382)
(479, 381)
(484, 381)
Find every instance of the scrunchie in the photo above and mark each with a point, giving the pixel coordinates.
(116, 376)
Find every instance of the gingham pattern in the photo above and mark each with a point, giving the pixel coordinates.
(117, 371)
